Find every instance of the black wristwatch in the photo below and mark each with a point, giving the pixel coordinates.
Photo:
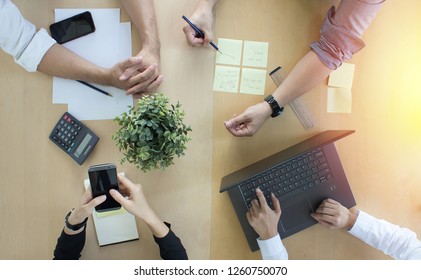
(74, 227)
(276, 109)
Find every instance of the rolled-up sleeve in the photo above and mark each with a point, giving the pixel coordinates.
(19, 38)
(340, 35)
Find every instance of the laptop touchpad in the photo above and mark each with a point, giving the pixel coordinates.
(296, 215)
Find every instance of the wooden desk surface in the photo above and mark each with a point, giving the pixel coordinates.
(40, 183)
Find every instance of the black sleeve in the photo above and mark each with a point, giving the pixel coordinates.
(69, 247)
(170, 246)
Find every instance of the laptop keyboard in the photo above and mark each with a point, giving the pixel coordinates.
(289, 178)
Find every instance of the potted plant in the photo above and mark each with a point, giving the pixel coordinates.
(151, 134)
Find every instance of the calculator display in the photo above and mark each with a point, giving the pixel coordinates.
(82, 145)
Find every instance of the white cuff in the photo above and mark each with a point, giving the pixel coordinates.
(272, 249)
(35, 51)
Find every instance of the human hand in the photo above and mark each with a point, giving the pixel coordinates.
(147, 78)
(134, 76)
(333, 215)
(247, 123)
(84, 209)
(136, 203)
(262, 218)
(203, 19)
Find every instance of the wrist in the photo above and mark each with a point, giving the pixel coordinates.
(276, 109)
(268, 235)
(152, 47)
(352, 218)
(158, 228)
(207, 4)
(266, 109)
(73, 223)
(101, 76)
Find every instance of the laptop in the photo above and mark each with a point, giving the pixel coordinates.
(301, 177)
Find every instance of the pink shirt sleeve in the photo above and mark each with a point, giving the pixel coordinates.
(340, 35)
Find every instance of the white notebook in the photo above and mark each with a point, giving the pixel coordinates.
(114, 226)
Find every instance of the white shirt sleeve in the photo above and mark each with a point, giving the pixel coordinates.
(399, 243)
(272, 249)
(18, 37)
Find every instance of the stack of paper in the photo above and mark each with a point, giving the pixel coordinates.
(108, 45)
(227, 78)
(339, 95)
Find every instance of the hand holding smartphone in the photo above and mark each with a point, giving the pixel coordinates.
(72, 28)
(103, 178)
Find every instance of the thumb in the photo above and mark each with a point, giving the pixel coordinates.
(118, 197)
(233, 122)
(276, 203)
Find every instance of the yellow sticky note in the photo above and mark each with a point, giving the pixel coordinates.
(342, 77)
(110, 213)
(231, 51)
(226, 78)
(339, 100)
(253, 81)
(255, 54)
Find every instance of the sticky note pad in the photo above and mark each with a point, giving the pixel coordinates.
(339, 100)
(110, 213)
(255, 54)
(226, 78)
(342, 77)
(231, 51)
(253, 81)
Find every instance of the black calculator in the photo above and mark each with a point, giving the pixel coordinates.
(74, 138)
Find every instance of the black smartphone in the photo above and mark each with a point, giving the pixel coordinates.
(103, 178)
(72, 28)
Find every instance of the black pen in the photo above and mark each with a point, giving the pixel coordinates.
(95, 88)
(199, 33)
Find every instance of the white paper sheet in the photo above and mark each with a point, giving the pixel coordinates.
(110, 44)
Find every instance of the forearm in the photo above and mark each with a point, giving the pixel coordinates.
(61, 62)
(156, 225)
(397, 242)
(69, 247)
(142, 13)
(306, 74)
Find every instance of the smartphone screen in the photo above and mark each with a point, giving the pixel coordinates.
(103, 178)
(72, 28)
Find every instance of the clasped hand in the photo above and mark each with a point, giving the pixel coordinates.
(137, 75)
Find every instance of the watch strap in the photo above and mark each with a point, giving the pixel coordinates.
(77, 226)
(276, 109)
